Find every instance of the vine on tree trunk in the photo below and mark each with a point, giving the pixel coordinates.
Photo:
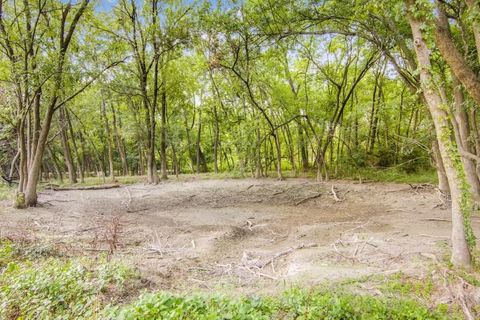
(466, 203)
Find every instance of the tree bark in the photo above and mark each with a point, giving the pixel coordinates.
(56, 166)
(108, 135)
(67, 153)
(454, 58)
(76, 151)
(441, 174)
(163, 130)
(199, 135)
(462, 134)
(460, 250)
(216, 125)
(119, 142)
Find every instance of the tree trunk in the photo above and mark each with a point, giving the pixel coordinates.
(75, 148)
(109, 140)
(216, 137)
(373, 117)
(163, 132)
(72, 173)
(176, 166)
(56, 166)
(199, 135)
(150, 124)
(460, 248)
(303, 148)
(441, 174)
(119, 142)
(462, 134)
(141, 166)
(474, 7)
(453, 57)
(34, 170)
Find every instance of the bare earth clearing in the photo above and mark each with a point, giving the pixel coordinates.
(254, 235)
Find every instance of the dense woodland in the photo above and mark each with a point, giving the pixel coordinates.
(161, 88)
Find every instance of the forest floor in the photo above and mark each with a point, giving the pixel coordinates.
(244, 234)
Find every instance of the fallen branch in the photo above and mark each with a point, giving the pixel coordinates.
(432, 236)
(334, 193)
(258, 273)
(137, 210)
(437, 219)
(287, 252)
(308, 198)
(100, 187)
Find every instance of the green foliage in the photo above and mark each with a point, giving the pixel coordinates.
(6, 253)
(56, 289)
(389, 175)
(407, 286)
(6, 191)
(167, 306)
(294, 304)
(35, 287)
(24, 251)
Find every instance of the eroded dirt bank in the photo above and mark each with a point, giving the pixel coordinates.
(257, 235)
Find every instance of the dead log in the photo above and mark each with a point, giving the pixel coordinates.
(99, 187)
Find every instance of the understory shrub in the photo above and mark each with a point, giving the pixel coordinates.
(56, 289)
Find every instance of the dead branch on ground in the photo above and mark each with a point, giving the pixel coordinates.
(100, 187)
(163, 246)
(334, 194)
(317, 195)
(287, 252)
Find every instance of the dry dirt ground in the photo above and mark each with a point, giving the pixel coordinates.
(248, 235)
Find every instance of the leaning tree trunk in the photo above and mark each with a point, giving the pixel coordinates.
(453, 167)
(462, 134)
(34, 170)
(441, 174)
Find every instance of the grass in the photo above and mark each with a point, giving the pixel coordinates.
(6, 192)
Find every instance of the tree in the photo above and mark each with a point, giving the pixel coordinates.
(461, 232)
(37, 69)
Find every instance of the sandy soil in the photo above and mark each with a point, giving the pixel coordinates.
(251, 235)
